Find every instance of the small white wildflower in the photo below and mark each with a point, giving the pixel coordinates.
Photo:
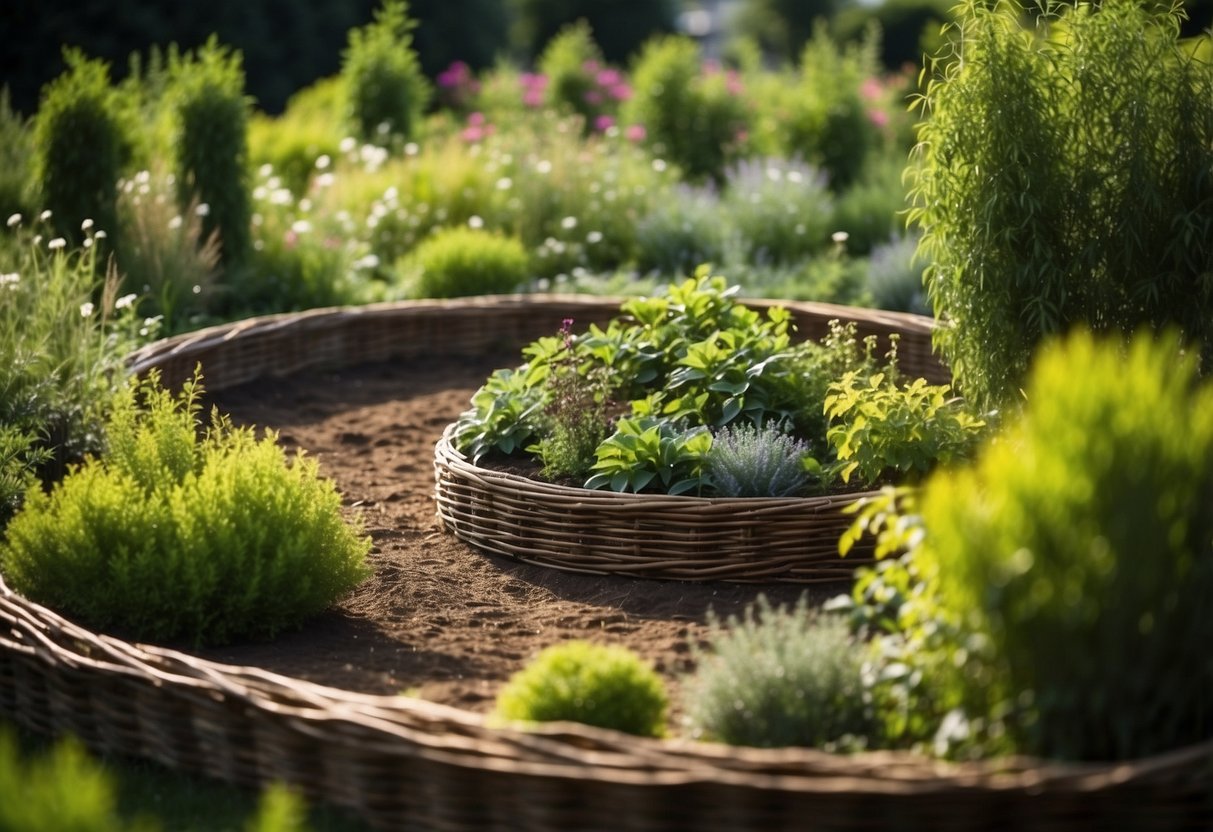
(175, 222)
(281, 196)
(568, 223)
(202, 209)
(37, 239)
(659, 165)
(45, 215)
(86, 225)
(411, 149)
(839, 237)
(475, 222)
(10, 280)
(794, 177)
(370, 261)
(273, 182)
(325, 180)
(305, 204)
(301, 226)
(504, 183)
(143, 176)
(259, 193)
(100, 235)
(265, 171)
(391, 193)
(86, 309)
(593, 237)
(197, 290)
(125, 301)
(347, 144)
(774, 174)
(383, 128)
(543, 166)
(799, 229)
(258, 219)
(88, 242)
(323, 161)
(543, 284)
(15, 219)
(56, 243)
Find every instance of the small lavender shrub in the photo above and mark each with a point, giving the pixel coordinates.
(780, 678)
(745, 461)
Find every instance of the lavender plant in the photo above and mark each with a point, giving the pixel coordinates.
(750, 461)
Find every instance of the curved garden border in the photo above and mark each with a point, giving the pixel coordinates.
(405, 763)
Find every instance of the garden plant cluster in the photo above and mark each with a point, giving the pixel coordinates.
(1043, 530)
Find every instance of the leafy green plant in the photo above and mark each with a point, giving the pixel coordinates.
(211, 166)
(81, 144)
(780, 677)
(170, 535)
(682, 232)
(16, 159)
(645, 451)
(894, 278)
(604, 686)
(880, 428)
(506, 412)
(747, 461)
(779, 208)
(1037, 215)
(1078, 547)
(461, 261)
(387, 92)
(570, 62)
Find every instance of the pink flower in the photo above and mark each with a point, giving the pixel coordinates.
(591, 67)
(635, 133)
(593, 98)
(604, 123)
(533, 98)
(454, 75)
(871, 89)
(732, 83)
(475, 119)
(609, 78)
(878, 117)
(621, 91)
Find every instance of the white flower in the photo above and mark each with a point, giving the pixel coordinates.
(504, 183)
(774, 174)
(45, 215)
(301, 226)
(15, 219)
(305, 204)
(125, 301)
(323, 161)
(370, 261)
(543, 166)
(794, 177)
(411, 149)
(202, 209)
(475, 222)
(88, 243)
(347, 144)
(56, 243)
(325, 180)
(175, 222)
(659, 165)
(265, 171)
(839, 237)
(593, 237)
(100, 235)
(86, 225)
(86, 309)
(568, 223)
(197, 290)
(10, 280)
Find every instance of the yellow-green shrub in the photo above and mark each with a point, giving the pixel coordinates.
(459, 261)
(170, 534)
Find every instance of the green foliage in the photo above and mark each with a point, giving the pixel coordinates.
(620, 26)
(781, 211)
(81, 143)
(16, 159)
(882, 429)
(646, 451)
(780, 678)
(386, 90)
(1042, 206)
(210, 115)
(684, 230)
(910, 30)
(460, 261)
(60, 790)
(748, 461)
(867, 210)
(506, 412)
(782, 27)
(307, 130)
(170, 535)
(570, 62)
(693, 119)
(1078, 547)
(894, 279)
(604, 686)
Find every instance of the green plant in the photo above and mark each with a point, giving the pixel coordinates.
(570, 63)
(210, 116)
(461, 261)
(1041, 206)
(778, 678)
(620, 27)
(780, 210)
(646, 451)
(894, 279)
(16, 159)
(387, 92)
(747, 461)
(81, 145)
(682, 232)
(506, 412)
(881, 428)
(693, 119)
(604, 686)
(170, 535)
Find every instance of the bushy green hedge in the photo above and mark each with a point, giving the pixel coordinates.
(604, 686)
(386, 90)
(460, 261)
(168, 535)
(1064, 177)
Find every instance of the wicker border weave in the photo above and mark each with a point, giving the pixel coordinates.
(407, 764)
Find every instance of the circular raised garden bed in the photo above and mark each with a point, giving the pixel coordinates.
(404, 763)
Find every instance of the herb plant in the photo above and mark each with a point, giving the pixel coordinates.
(746, 461)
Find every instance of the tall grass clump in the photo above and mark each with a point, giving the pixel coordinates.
(601, 685)
(1064, 176)
(211, 165)
(81, 142)
(172, 534)
(386, 91)
(779, 677)
(63, 335)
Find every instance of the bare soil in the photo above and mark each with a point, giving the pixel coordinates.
(439, 619)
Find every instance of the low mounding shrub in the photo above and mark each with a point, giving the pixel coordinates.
(81, 142)
(456, 262)
(169, 535)
(385, 87)
(1078, 547)
(745, 461)
(59, 789)
(779, 678)
(1037, 215)
(605, 686)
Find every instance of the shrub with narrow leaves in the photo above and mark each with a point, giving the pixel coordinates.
(747, 461)
(604, 686)
(387, 92)
(779, 677)
(169, 535)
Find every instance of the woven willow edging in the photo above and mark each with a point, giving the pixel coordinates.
(403, 763)
(792, 539)
(407, 764)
